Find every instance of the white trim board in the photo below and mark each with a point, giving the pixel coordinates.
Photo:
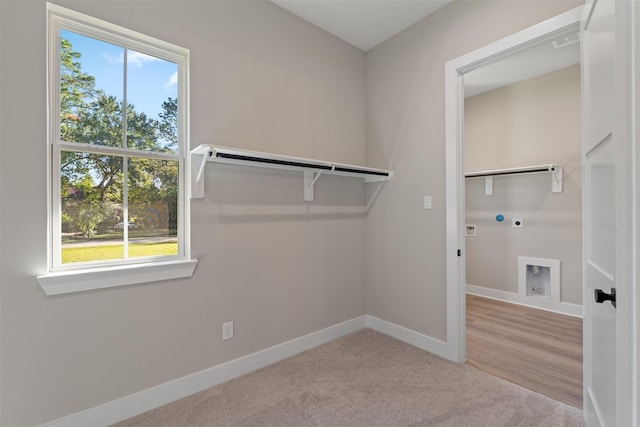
(455, 70)
(146, 400)
(416, 339)
(515, 298)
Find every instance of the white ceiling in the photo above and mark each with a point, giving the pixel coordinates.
(362, 23)
(367, 23)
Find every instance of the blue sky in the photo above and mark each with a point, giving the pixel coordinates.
(150, 80)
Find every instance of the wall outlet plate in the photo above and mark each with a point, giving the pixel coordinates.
(227, 331)
(427, 202)
(470, 230)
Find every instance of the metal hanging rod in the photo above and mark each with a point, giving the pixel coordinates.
(245, 158)
(511, 171)
(311, 168)
(556, 175)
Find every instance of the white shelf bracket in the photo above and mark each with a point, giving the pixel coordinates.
(556, 179)
(488, 186)
(310, 179)
(197, 181)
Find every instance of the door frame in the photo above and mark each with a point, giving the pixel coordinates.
(626, 129)
(454, 161)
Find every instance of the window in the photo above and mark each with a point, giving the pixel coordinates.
(118, 156)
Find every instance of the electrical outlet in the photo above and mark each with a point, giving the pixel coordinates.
(227, 331)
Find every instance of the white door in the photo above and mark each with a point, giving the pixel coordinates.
(600, 149)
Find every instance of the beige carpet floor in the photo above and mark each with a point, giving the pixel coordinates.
(364, 379)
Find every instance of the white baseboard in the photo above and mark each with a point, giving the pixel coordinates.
(129, 406)
(146, 400)
(541, 303)
(409, 336)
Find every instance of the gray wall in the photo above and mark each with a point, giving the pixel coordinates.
(261, 79)
(405, 250)
(529, 123)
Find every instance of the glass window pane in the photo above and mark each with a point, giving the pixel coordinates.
(91, 90)
(91, 207)
(115, 205)
(153, 207)
(152, 93)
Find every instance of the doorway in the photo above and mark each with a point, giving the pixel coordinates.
(458, 72)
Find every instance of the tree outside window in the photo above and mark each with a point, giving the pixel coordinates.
(119, 168)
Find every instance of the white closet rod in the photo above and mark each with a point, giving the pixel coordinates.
(511, 171)
(310, 167)
(556, 175)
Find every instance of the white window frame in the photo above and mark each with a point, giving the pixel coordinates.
(66, 278)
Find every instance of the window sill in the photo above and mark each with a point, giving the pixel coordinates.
(66, 282)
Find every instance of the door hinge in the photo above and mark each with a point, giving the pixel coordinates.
(459, 252)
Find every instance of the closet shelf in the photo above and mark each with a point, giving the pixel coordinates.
(312, 169)
(555, 170)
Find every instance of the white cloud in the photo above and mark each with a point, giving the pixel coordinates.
(134, 58)
(173, 80)
(138, 59)
(119, 59)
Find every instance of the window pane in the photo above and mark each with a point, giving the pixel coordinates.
(117, 205)
(152, 93)
(91, 90)
(153, 207)
(91, 207)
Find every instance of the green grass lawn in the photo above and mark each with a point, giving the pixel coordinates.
(107, 252)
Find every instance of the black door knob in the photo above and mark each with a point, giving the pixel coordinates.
(601, 296)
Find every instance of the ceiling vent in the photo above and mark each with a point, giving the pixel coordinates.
(566, 40)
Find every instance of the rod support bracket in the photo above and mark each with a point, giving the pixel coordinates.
(488, 186)
(556, 179)
(310, 179)
(197, 175)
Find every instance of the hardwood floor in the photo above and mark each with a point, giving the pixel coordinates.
(536, 349)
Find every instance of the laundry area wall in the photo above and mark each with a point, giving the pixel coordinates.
(533, 122)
